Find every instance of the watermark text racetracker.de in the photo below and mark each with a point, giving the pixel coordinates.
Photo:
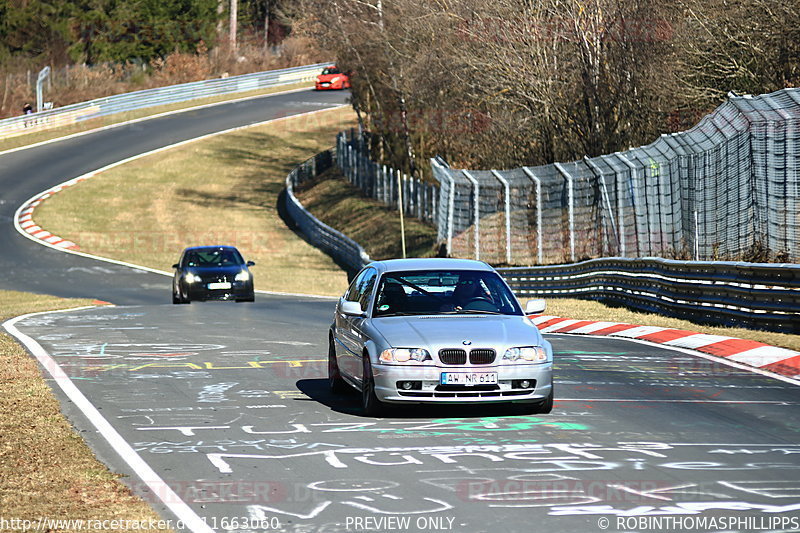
(45, 523)
(699, 523)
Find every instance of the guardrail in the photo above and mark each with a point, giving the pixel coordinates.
(120, 103)
(753, 295)
(343, 249)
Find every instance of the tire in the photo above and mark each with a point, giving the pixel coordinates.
(250, 298)
(335, 381)
(179, 299)
(539, 408)
(546, 406)
(370, 403)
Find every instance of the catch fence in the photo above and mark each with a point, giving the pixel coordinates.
(729, 188)
(388, 185)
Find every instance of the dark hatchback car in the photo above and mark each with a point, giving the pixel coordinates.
(212, 273)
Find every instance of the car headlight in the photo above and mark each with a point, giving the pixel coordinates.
(405, 355)
(526, 354)
(192, 278)
(244, 275)
(335, 79)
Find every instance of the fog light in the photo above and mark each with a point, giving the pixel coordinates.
(525, 384)
(409, 385)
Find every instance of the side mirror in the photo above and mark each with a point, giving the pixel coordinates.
(251, 263)
(535, 307)
(351, 308)
(176, 265)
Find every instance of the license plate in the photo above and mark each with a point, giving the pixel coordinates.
(221, 285)
(325, 84)
(472, 378)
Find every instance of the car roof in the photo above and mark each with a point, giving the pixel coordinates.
(209, 248)
(432, 263)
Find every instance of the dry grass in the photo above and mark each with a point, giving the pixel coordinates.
(45, 467)
(589, 310)
(333, 200)
(220, 190)
(32, 138)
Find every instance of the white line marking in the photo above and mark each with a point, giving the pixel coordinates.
(157, 485)
(715, 358)
(30, 201)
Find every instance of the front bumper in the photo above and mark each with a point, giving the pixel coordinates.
(430, 390)
(239, 290)
(326, 85)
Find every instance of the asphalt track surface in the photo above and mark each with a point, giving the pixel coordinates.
(228, 403)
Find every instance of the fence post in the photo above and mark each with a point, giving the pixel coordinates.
(571, 208)
(636, 228)
(450, 204)
(507, 197)
(402, 217)
(538, 182)
(477, 216)
(43, 74)
(599, 174)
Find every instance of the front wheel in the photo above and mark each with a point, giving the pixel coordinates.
(249, 298)
(335, 381)
(369, 401)
(547, 405)
(179, 298)
(539, 408)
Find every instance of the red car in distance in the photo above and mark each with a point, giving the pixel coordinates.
(332, 78)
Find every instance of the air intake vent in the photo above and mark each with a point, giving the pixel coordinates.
(453, 356)
(482, 356)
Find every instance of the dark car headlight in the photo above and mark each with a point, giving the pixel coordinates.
(405, 355)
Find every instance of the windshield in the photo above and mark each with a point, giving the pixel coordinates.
(330, 70)
(439, 292)
(213, 258)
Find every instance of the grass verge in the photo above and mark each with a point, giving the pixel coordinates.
(46, 469)
(333, 200)
(118, 118)
(221, 190)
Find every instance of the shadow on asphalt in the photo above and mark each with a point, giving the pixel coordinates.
(349, 403)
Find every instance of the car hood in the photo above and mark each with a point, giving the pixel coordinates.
(438, 332)
(328, 77)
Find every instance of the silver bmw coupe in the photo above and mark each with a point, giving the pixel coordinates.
(438, 331)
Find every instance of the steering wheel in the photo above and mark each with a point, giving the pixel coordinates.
(482, 303)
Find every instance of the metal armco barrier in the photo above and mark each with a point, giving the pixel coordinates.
(753, 295)
(343, 249)
(120, 103)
